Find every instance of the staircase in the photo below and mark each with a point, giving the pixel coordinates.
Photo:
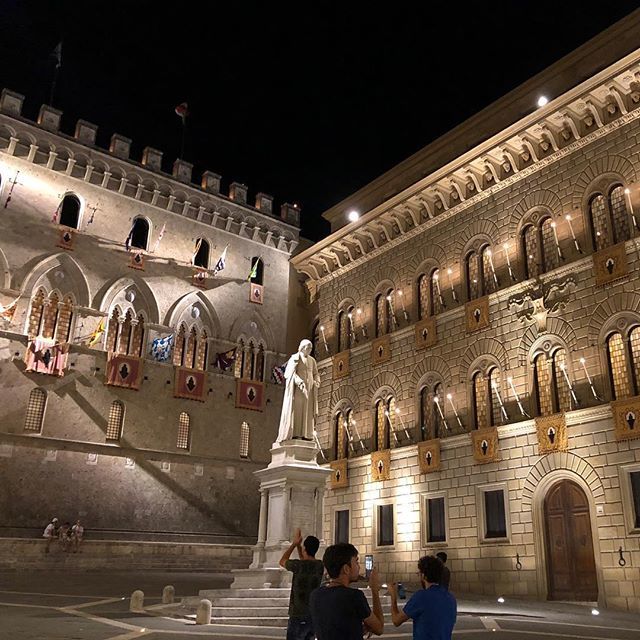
(253, 607)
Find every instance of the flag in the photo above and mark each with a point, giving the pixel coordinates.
(221, 264)
(161, 348)
(182, 110)
(56, 213)
(127, 242)
(195, 252)
(57, 54)
(254, 270)
(226, 359)
(278, 373)
(160, 236)
(7, 313)
(94, 338)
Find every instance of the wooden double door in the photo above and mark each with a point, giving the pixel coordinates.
(571, 566)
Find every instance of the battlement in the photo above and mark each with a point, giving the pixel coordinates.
(49, 119)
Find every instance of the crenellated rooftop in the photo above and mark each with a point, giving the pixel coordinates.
(568, 122)
(79, 156)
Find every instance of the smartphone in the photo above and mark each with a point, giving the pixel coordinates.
(368, 565)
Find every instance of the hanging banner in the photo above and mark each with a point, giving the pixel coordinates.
(45, 356)
(249, 395)
(137, 261)
(66, 239)
(124, 371)
(257, 292)
(190, 384)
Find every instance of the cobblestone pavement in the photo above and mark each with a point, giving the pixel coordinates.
(83, 606)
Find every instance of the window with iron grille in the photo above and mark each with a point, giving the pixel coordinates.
(473, 284)
(619, 214)
(599, 232)
(634, 347)
(530, 247)
(550, 257)
(34, 416)
(561, 386)
(489, 279)
(423, 296)
(543, 385)
(497, 417)
(244, 440)
(481, 400)
(436, 298)
(341, 531)
(184, 431)
(495, 517)
(116, 421)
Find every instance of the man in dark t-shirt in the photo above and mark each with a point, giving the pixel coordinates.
(338, 611)
(307, 576)
(445, 580)
(433, 609)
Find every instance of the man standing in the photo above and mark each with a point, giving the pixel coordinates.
(446, 573)
(339, 612)
(307, 576)
(433, 609)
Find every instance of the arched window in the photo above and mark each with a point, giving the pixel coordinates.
(634, 348)
(544, 397)
(184, 432)
(64, 319)
(487, 399)
(34, 417)
(247, 365)
(113, 330)
(599, 228)
(552, 390)
(381, 321)
(116, 421)
(126, 337)
(140, 234)
(383, 423)
(345, 328)
(190, 351)
(201, 255)
(389, 312)
(550, 256)
(436, 299)
(472, 270)
(618, 367)
(51, 318)
(244, 440)
(424, 288)
(36, 313)
(489, 278)
(530, 246)
(315, 332)
(430, 418)
(497, 416)
(341, 439)
(202, 352)
(258, 369)
(257, 270)
(178, 348)
(619, 214)
(137, 338)
(239, 361)
(70, 211)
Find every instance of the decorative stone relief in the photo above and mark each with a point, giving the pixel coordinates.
(380, 350)
(339, 474)
(552, 433)
(626, 416)
(380, 465)
(537, 302)
(485, 445)
(429, 456)
(610, 264)
(476, 314)
(341, 368)
(425, 332)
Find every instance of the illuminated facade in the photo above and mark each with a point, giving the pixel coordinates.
(482, 395)
(139, 446)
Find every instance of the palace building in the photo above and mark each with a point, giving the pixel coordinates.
(478, 337)
(141, 318)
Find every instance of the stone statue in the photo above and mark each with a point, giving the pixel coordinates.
(300, 404)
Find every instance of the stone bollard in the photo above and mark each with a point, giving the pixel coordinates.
(203, 615)
(137, 602)
(168, 594)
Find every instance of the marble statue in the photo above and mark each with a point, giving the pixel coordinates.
(300, 403)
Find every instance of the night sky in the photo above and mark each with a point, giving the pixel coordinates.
(308, 103)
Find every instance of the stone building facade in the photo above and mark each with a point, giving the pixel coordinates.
(478, 335)
(136, 446)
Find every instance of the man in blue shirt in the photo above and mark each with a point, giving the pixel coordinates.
(433, 609)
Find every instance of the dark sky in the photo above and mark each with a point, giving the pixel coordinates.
(307, 103)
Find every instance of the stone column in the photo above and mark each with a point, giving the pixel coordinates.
(291, 488)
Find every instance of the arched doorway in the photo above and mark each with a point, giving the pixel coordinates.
(571, 566)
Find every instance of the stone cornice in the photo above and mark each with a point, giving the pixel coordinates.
(535, 127)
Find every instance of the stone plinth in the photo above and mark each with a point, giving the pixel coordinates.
(291, 495)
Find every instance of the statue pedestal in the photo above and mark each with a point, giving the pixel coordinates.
(291, 495)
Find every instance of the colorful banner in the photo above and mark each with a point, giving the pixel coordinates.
(249, 395)
(66, 239)
(45, 356)
(257, 293)
(190, 384)
(124, 371)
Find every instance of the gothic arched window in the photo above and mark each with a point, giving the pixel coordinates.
(201, 255)
(70, 211)
(139, 234)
